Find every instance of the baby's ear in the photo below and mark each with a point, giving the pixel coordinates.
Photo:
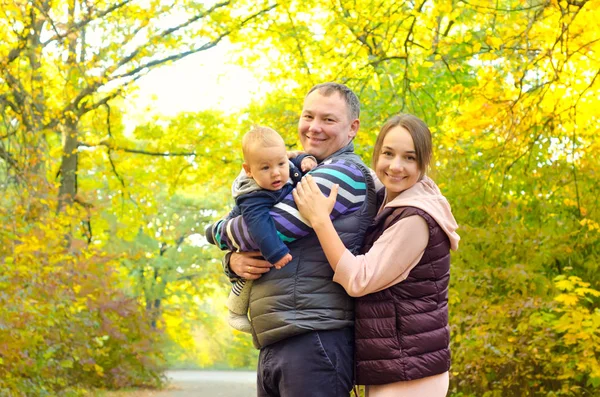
(247, 169)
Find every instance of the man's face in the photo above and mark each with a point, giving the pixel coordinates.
(325, 125)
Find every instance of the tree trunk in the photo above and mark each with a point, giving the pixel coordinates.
(68, 166)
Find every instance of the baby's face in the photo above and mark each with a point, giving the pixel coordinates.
(268, 166)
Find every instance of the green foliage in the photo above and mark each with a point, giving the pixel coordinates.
(65, 324)
(527, 346)
(509, 89)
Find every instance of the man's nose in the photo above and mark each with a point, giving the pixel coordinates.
(315, 125)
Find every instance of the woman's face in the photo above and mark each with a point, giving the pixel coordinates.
(397, 165)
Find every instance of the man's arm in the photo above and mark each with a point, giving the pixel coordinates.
(233, 233)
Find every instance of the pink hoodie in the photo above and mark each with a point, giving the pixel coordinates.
(401, 246)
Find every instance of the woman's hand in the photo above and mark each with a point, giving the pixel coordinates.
(311, 202)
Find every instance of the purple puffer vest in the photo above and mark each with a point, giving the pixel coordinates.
(402, 332)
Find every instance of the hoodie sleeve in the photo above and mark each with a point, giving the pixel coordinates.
(395, 253)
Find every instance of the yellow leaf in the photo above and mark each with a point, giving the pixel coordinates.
(99, 370)
(66, 363)
(567, 299)
(564, 285)
(587, 291)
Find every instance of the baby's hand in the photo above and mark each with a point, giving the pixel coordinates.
(307, 164)
(283, 261)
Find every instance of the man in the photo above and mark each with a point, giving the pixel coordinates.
(302, 321)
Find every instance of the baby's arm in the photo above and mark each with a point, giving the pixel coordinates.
(255, 213)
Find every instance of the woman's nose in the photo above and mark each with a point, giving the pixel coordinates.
(397, 164)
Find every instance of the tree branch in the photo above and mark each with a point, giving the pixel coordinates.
(137, 151)
(7, 157)
(184, 54)
(83, 23)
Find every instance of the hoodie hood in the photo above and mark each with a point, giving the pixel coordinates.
(426, 196)
(243, 184)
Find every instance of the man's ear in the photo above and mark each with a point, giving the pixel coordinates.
(354, 128)
(247, 169)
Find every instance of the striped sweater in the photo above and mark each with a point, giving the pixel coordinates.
(232, 233)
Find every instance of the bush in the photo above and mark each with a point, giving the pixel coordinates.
(65, 325)
(516, 331)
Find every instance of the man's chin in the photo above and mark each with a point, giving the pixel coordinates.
(316, 152)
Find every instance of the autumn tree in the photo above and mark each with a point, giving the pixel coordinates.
(509, 89)
(63, 61)
(70, 172)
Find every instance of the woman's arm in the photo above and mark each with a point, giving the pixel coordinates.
(389, 260)
(316, 209)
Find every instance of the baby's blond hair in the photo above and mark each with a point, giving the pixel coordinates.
(260, 137)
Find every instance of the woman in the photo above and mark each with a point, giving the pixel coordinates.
(401, 279)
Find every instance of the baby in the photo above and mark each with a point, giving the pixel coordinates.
(267, 177)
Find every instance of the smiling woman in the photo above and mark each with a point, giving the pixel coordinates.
(402, 153)
(401, 278)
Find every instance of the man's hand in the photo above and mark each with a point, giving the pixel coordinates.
(283, 261)
(247, 265)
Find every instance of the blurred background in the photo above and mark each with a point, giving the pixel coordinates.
(120, 127)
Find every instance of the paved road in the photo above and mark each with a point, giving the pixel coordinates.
(210, 384)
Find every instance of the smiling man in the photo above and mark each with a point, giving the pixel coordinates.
(301, 320)
(329, 120)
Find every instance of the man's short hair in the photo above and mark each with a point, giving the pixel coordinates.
(326, 89)
(261, 137)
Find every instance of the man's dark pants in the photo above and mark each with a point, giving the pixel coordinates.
(314, 364)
